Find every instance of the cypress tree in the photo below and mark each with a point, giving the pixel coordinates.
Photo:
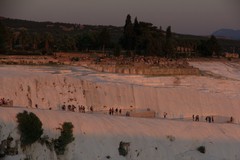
(169, 43)
(128, 34)
(2, 38)
(214, 47)
(168, 33)
(104, 38)
(136, 27)
(137, 32)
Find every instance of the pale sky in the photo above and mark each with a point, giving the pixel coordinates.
(199, 17)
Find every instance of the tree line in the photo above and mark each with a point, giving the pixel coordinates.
(23, 41)
(145, 39)
(135, 38)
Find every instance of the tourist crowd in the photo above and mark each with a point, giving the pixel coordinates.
(73, 108)
(4, 101)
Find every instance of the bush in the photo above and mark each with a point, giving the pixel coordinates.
(171, 138)
(76, 59)
(201, 149)
(65, 138)
(123, 148)
(30, 128)
(45, 140)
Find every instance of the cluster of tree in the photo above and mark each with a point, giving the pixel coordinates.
(22, 40)
(47, 43)
(94, 40)
(2, 38)
(65, 138)
(134, 38)
(210, 47)
(144, 38)
(30, 129)
(40, 40)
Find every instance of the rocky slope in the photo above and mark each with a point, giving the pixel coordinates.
(179, 96)
(97, 135)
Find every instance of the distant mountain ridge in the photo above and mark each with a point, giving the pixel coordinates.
(228, 34)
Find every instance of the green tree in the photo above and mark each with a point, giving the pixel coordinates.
(214, 47)
(137, 33)
(210, 47)
(104, 38)
(128, 34)
(30, 128)
(147, 39)
(35, 40)
(68, 43)
(2, 37)
(161, 42)
(48, 41)
(86, 41)
(25, 40)
(203, 49)
(168, 32)
(169, 47)
(117, 50)
(65, 138)
(136, 27)
(10, 40)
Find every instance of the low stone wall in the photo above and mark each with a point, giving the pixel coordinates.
(143, 114)
(165, 68)
(145, 70)
(28, 60)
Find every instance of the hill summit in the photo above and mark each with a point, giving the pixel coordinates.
(228, 34)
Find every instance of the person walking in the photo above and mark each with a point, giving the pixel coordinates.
(212, 119)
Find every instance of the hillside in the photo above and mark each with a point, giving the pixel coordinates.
(30, 37)
(50, 86)
(228, 34)
(58, 29)
(98, 137)
(97, 134)
(54, 27)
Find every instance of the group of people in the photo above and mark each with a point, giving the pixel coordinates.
(81, 108)
(209, 119)
(112, 111)
(4, 101)
(72, 108)
(116, 111)
(195, 118)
